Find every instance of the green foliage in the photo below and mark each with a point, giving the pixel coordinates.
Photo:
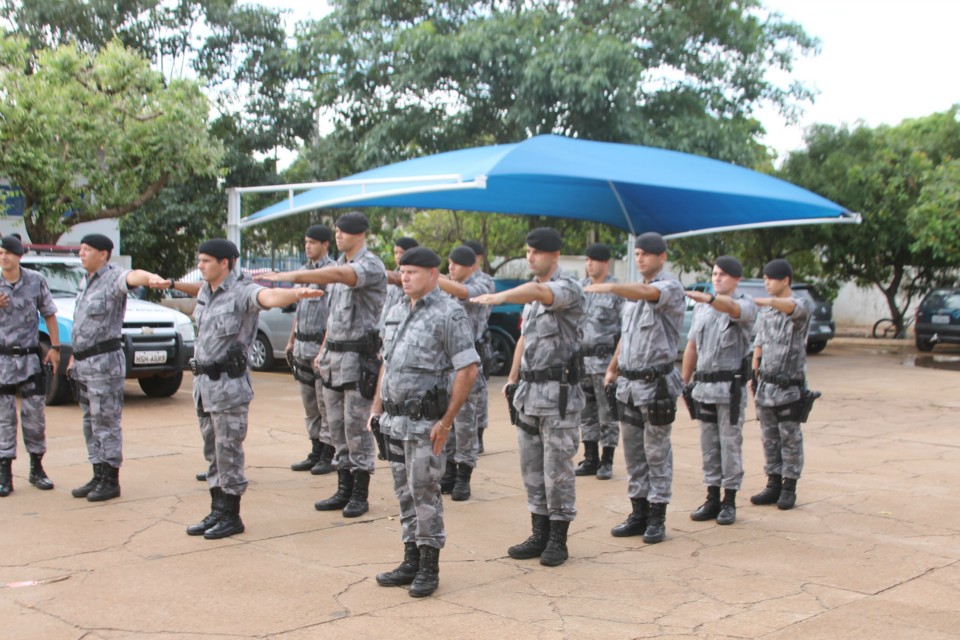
(93, 136)
(935, 219)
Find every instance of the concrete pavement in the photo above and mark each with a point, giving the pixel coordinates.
(871, 551)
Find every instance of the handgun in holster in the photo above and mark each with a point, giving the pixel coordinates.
(736, 389)
(236, 362)
(692, 406)
(610, 391)
(511, 391)
(379, 437)
(807, 398)
(291, 362)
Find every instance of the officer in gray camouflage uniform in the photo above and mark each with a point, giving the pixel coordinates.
(349, 362)
(463, 445)
(306, 336)
(548, 396)
(487, 281)
(648, 384)
(719, 348)
(226, 314)
(24, 297)
(780, 368)
(97, 364)
(394, 290)
(601, 332)
(429, 367)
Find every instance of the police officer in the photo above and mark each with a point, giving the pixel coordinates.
(780, 367)
(97, 364)
(226, 314)
(647, 384)
(601, 331)
(394, 289)
(348, 362)
(306, 336)
(24, 297)
(429, 367)
(719, 348)
(486, 280)
(463, 445)
(548, 396)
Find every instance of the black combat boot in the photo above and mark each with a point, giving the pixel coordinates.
(556, 552)
(771, 494)
(428, 573)
(38, 477)
(656, 523)
(533, 546)
(325, 463)
(340, 499)
(591, 459)
(788, 494)
(449, 478)
(461, 490)
(605, 470)
(84, 490)
(636, 522)
(728, 508)
(406, 572)
(480, 439)
(212, 518)
(312, 458)
(229, 523)
(6, 477)
(109, 486)
(358, 505)
(709, 509)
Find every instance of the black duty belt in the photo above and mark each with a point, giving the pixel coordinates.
(542, 375)
(310, 337)
(412, 408)
(782, 380)
(715, 376)
(19, 351)
(356, 346)
(647, 374)
(101, 347)
(598, 351)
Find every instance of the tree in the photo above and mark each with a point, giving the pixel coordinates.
(95, 136)
(899, 179)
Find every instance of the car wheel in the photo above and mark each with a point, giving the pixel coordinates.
(161, 386)
(502, 353)
(261, 354)
(816, 347)
(59, 391)
(925, 345)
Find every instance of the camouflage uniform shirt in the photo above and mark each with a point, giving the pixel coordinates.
(311, 315)
(722, 343)
(783, 341)
(601, 326)
(20, 324)
(98, 317)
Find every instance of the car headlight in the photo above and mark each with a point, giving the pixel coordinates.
(187, 331)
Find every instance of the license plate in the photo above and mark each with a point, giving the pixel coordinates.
(940, 319)
(824, 329)
(149, 357)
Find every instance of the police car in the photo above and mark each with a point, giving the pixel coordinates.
(157, 342)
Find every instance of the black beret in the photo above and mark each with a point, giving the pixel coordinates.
(545, 239)
(463, 255)
(320, 233)
(406, 243)
(219, 248)
(778, 269)
(420, 257)
(598, 251)
(476, 246)
(353, 222)
(651, 242)
(730, 266)
(12, 244)
(98, 241)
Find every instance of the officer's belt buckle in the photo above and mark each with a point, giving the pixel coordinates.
(412, 409)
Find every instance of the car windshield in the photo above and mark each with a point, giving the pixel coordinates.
(63, 279)
(942, 299)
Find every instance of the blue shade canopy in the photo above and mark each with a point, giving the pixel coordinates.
(629, 187)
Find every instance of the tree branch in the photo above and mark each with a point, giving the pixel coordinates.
(144, 197)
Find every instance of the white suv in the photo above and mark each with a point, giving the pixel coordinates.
(157, 342)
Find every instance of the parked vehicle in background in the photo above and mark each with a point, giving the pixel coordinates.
(273, 332)
(504, 327)
(157, 341)
(822, 327)
(938, 318)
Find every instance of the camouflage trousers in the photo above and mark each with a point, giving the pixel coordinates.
(32, 421)
(463, 443)
(721, 446)
(223, 435)
(782, 444)
(347, 414)
(546, 465)
(314, 410)
(483, 406)
(101, 403)
(416, 483)
(596, 425)
(649, 455)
